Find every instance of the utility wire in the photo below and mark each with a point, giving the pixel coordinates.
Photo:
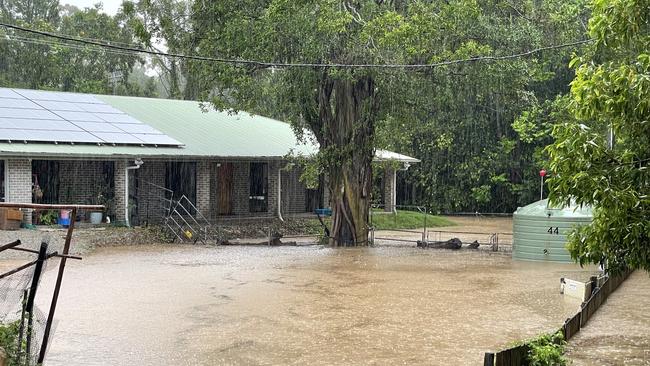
(290, 65)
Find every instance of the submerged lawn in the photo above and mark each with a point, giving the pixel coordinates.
(385, 221)
(406, 220)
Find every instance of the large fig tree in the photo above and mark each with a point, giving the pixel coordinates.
(337, 105)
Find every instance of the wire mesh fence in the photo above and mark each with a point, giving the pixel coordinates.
(22, 323)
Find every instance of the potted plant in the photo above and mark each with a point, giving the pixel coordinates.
(101, 199)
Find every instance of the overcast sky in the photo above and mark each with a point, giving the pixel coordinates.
(110, 6)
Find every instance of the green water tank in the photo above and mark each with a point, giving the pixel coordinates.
(539, 232)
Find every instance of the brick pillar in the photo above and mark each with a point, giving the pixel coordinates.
(19, 184)
(241, 190)
(203, 187)
(120, 190)
(390, 189)
(273, 187)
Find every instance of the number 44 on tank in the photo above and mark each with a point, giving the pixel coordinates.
(553, 230)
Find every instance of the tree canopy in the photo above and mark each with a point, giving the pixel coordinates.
(41, 63)
(601, 154)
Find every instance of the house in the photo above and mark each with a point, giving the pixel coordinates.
(135, 154)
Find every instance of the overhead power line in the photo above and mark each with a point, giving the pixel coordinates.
(108, 45)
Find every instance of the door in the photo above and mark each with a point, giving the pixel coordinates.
(181, 179)
(224, 188)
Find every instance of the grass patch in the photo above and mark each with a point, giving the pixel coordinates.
(407, 220)
(381, 221)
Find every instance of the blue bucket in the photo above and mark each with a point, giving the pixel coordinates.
(323, 211)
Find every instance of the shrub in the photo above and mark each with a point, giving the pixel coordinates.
(9, 341)
(547, 350)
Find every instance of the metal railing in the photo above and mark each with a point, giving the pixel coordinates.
(157, 201)
(427, 235)
(186, 222)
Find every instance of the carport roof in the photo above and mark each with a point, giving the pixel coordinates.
(203, 131)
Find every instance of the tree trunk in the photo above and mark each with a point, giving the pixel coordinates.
(347, 111)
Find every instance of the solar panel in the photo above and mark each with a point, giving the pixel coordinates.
(156, 139)
(118, 138)
(47, 136)
(8, 93)
(118, 118)
(59, 106)
(40, 95)
(37, 124)
(80, 98)
(98, 108)
(79, 116)
(136, 128)
(18, 103)
(27, 113)
(44, 116)
(97, 126)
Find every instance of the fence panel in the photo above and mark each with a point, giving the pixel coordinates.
(517, 355)
(512, 357)
(572, 326)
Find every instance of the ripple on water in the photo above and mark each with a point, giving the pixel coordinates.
(183, 305)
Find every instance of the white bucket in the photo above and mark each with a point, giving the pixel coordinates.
(96, 218)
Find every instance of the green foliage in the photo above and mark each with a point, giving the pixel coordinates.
(611, 90)
(547, 350)
(465, 121)
(9, 341)
(29, 61)
(402, 219)
(381, 220)
(48, 217)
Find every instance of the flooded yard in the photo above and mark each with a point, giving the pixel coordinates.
(619, 333)
(186, 305)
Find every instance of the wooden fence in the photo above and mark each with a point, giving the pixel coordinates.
(516, 356)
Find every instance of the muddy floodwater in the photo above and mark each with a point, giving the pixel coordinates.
(619, 333)
(185, 305)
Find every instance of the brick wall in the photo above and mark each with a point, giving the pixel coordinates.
(214, 191)
(150, 176)
(203, 188)
(389, 189)
(119, 178)
(274, 180)
(80, 182)
(241, 189)
(293, 192)
(19, 180)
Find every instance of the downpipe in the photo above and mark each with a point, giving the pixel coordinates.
(138, 163)
(280, 194)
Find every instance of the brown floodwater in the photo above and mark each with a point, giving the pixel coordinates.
(184, 305)
(619, 333)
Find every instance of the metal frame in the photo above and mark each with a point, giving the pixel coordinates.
(65, 255)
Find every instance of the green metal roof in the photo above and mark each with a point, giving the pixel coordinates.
(204, 132)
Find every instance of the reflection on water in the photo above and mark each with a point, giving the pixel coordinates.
(299, 305)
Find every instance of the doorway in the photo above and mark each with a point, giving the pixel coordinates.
(258, 183)
(224, 188)
(180, 177)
